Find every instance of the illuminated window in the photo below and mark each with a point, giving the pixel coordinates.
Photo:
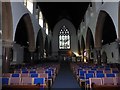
(46, 28)
(25, 2)
(64, 38)
(29, 5)
(41, 19)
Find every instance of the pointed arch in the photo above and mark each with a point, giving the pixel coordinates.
(25, 25)
(105, 30)
(73, 37)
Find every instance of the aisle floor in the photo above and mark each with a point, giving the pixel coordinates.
(65, 78)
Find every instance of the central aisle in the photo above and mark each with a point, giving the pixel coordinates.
(65, 77)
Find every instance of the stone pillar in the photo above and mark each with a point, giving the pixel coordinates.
(31, 57)
(98, 53)
(6, 55)
(82, 53)
(88, 55)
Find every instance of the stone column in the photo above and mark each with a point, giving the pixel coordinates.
(88, 55)
(82, 53)
(31, 57)
(6, 55)
(98, 53)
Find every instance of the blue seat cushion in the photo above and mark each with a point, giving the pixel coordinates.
(39, 80)
(5, 81)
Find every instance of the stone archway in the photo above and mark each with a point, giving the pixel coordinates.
(25, 25)
(30, 31)
(64, 23)
(25, 28)
(105, 33)
(99, 29)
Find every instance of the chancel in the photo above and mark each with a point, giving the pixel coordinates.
(60, 45)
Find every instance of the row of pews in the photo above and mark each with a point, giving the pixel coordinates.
(31, 78)
(96, 77)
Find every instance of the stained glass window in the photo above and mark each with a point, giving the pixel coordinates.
(64, 38)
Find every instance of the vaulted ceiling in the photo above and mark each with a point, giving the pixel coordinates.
(55, 11)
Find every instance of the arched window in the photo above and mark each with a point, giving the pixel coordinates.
(46, 28)
(29, 5)
(64, 38)
(41, 19)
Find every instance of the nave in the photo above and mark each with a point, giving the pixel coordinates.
(51, 45)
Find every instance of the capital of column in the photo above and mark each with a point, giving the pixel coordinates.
(7, 43)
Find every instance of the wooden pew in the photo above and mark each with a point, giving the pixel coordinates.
(105, 87)
(23, 87)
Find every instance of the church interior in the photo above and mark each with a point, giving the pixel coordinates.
(59, 45)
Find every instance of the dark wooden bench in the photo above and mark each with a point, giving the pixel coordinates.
(106, 87)
(22, 87)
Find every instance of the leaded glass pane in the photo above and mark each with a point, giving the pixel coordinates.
(64, 38)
